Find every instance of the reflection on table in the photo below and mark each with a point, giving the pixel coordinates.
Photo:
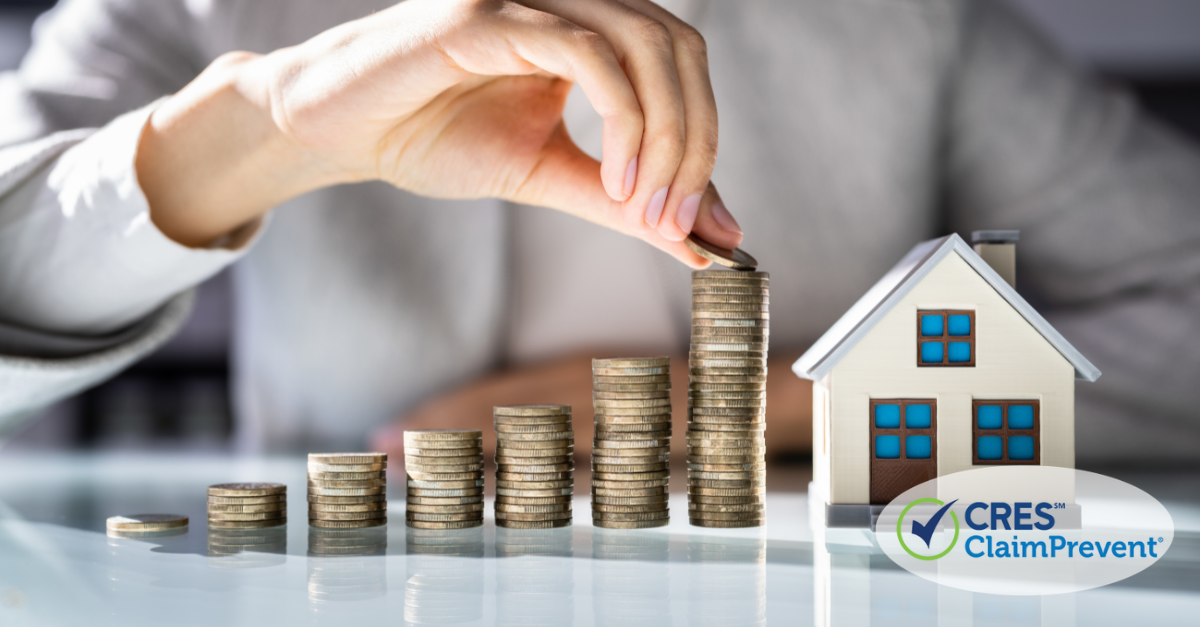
(631, 581)
(445, 576)
(346, 565)
(247, 548)
(534, 585)
(727, 581)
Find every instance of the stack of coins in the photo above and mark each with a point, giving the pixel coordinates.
(535, 466)
(347, 490)
(445, 478)
(727, 398)
(632, 448)
(247, 505)
(146, 525)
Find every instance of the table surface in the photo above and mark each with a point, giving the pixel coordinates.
(58, 567)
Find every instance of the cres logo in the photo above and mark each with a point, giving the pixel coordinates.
(924, 531)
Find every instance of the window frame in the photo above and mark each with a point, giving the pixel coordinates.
(945, 339)
(903, 431)
(1004, 432)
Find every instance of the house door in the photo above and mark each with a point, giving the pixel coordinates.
(903, 446)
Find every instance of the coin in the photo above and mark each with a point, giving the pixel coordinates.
(605, 419)
(547, 476)
(600, 371)
(647, 402)
(531, 410)
(442, 434)
(461, 524)
(146, 522)
(731, 492)
(550, 428)
(246, 524)
(623, 387)
(531, 420)
(699, 522)
(630, 396)
(245, 516)
(727, 500)
(642, 429)
(447, 485)
(347, 524)
(639, 468)
(247, 489)
(317, 467)
(649, 475)
(346, 476)
(742, 430)
(444, 500)
(630, 362)
(514, 516)
(614, 460)
(412, 451)
(534, 492)
(541, 524)
(510, 508)
(428, 517)
(534, 468)
(617, 437)
(625, 494)
(442, 477)
(623, 444)
(368, 483)
(706, 515)
(629, 516)
(709, 508)
(247, 500)
(549, 460)
(638, 484)
(347, 500)
(345, 491)
(353, 459)
(535, 485)
(361, 507)
(724, 451)
(533, 500)
(444, 509)
(639, 524)
(644, 510)
(632, 452)
(629, 500)
(247, 509)
(510, 439)
(735, 258)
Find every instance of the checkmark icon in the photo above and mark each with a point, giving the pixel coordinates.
(925, 531)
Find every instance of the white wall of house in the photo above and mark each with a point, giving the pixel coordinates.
(1013, 361)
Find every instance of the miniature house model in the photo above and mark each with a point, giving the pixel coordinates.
(940, 367)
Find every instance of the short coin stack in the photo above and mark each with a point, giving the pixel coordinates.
(632, 447)
(445, 478)
(727, 398)
(247, 505)
(146, 525)
(347, 490)
(535, 466)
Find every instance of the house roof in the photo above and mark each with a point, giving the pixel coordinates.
(845, 334)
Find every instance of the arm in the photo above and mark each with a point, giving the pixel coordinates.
(1108, 204)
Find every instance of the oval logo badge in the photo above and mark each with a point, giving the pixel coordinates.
(1025, 530)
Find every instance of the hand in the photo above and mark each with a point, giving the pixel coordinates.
(456, 100)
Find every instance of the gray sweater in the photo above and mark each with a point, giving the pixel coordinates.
(850, 129)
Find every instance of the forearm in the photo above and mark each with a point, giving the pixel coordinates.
(213, 158)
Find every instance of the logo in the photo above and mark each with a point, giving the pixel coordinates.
(925, 531)
(1024, 530)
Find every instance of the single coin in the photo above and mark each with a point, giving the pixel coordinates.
(735, 258)
(352, 459)
(711, 350)
(629, 516)
(727, 403)
(657, 410)
(611, 437)
(559, 427)
(622, 387)
(345, 491)
(447, 485)
(411, 515)
(443, 469)
(460, 524)
(749, 308)
(606, 511)
(246, 489)
(643, 444)
(724, 451)
(247, 500)
(623, 486)
(443, 477)
(527, 447)
(510, 439)
(368, 483)
(727, 372)
(702, 492)
(531, 410)
(727, 500)
(731, 315)
(534, 493)
(247, 509)
(605, 419)
(638, 524)
(535, 485)
(630, 362)
(361, 507)
(541, 461)
(630, 396)
(613, 460)
(146, 522)
(741, 430)
(443, 445)
(514, 516)
(416, 461)
(510, 508)
(698, 522)
(706, 515)
(458, 494)
(223, 516)
(717, 384)
(632, 452)
(756, 363)
(444, 500)
(752, 288)
(726, 476)
(742, 508)
(629, 500)
(346, 476)
(347, 524)
(442, 452)
(705, 439)
(754, 483)
(347, 500)
(631, 372)
(720, 274)
(317, 467)
(246, 524)
(726, 395)
(444, 509)
(539, 524)
(649, 381)
(752, 325)
(729, 298)
(533, 500)
(648, 402)
(534, 468)
(630, 492)
(641, 429)
(442, 434)
(523, 477)
(630, 476)
(639, 468)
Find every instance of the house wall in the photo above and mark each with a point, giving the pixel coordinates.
(1013, 361)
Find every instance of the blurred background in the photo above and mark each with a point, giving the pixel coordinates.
(179, 397)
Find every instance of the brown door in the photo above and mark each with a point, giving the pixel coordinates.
(903, 446)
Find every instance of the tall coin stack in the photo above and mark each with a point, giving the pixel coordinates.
(445, 478)
(535, 466)
(247, 505)
(727, 398)
(632, 447)
(347, 490)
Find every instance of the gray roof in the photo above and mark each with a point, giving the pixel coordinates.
(845, 334)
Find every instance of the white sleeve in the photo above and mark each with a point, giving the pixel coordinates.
(79, 254)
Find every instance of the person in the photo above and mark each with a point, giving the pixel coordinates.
(849, 132)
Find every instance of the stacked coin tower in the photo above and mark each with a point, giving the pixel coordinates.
(632, 447)
(445, 478)
(347, 490)
(247, 505)
(727, 398)
(535, 466)
(146, 525)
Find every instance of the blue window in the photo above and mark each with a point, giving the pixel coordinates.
(1006, 432)
(931, 326)
(887, 446)
(991, 447)
(960, 352)
(1020, 447)
(946, 338)
(915, 416)
(917, 447)
(887, 416)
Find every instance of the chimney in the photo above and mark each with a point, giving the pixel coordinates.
(999, 250)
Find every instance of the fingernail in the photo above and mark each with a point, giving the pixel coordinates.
(685, 217)
(630, 176)
(655, 208)
(725, 219)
